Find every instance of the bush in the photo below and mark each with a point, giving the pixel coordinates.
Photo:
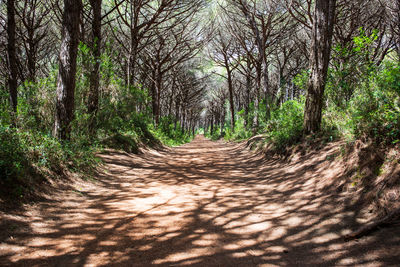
(241, 132)
(216, 134)
(286, 124)
(375, 108)
(168, 133)
(12, 155)
(27, 156)
(125, 142)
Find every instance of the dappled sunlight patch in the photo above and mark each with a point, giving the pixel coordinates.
(256, 227)
(207, 240)
(324, 238)
(188, 255)
(239, 254)
(205, 204)
(293, 221)
(274, 233)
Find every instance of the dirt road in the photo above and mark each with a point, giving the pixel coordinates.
(202, 204)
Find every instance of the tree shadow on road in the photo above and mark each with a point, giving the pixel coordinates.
(202, 204)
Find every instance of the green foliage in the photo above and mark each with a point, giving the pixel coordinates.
(241, 132)
(29, 154)
(286, 124)
(363, 42)
(375, 109)
(216, 134)
(125, 142)
(301, 80)
(12, 154)
(284, 127)
(350, 65)
(168, 133)
(336, 122)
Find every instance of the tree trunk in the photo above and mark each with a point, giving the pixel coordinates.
(183, 125)
(31, 55)
(67, 69)
(256, 120)
(93, 99)
(212, 124)
(132, 61)
(266, 89)
(153, 92)
(319, 61)
(397, 25)
(231, 102)
(158, 97)
(222, 121)
(177, 102)
(12, 58)
(248, 91)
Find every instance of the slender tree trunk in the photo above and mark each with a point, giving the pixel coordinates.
(267, 92)
(212, 124)
(248, 90)
(176, 113)
(397, 25)
(67, 69)
(132, 61)
(183, 125)
(256, 120)
(171, 98)
(30, 55)
(222, 120)
(93, 99)
(158, 98)
(266, 89)
(231, 102)
(153, 91)
(12, 58)
(319, 61)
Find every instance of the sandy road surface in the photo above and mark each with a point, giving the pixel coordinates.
(202, 204)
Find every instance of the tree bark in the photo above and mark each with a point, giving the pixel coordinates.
(177, 115)
(12, 58)
(93, 98)
(157, 107)
(65, 94)
(248, 91)
(319, 61)
(231, 102)
(267, 93)
(183, 125)
(212, 124)
(256, 120)
(31, 55)
(222, 121)
(397, 25)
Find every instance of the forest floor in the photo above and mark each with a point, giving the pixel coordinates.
(202, 204)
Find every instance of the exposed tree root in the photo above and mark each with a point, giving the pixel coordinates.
(255, 139)
(369, 227)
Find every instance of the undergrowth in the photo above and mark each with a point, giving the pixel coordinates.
(30, 154)
(362, 100)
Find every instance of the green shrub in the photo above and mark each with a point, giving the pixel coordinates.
(168, 134)
(12, 155)
(375, 109)
(336, 122)
(125, 142)
(216, 133)
(241, 132)
(286, 124)
(28, 155)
